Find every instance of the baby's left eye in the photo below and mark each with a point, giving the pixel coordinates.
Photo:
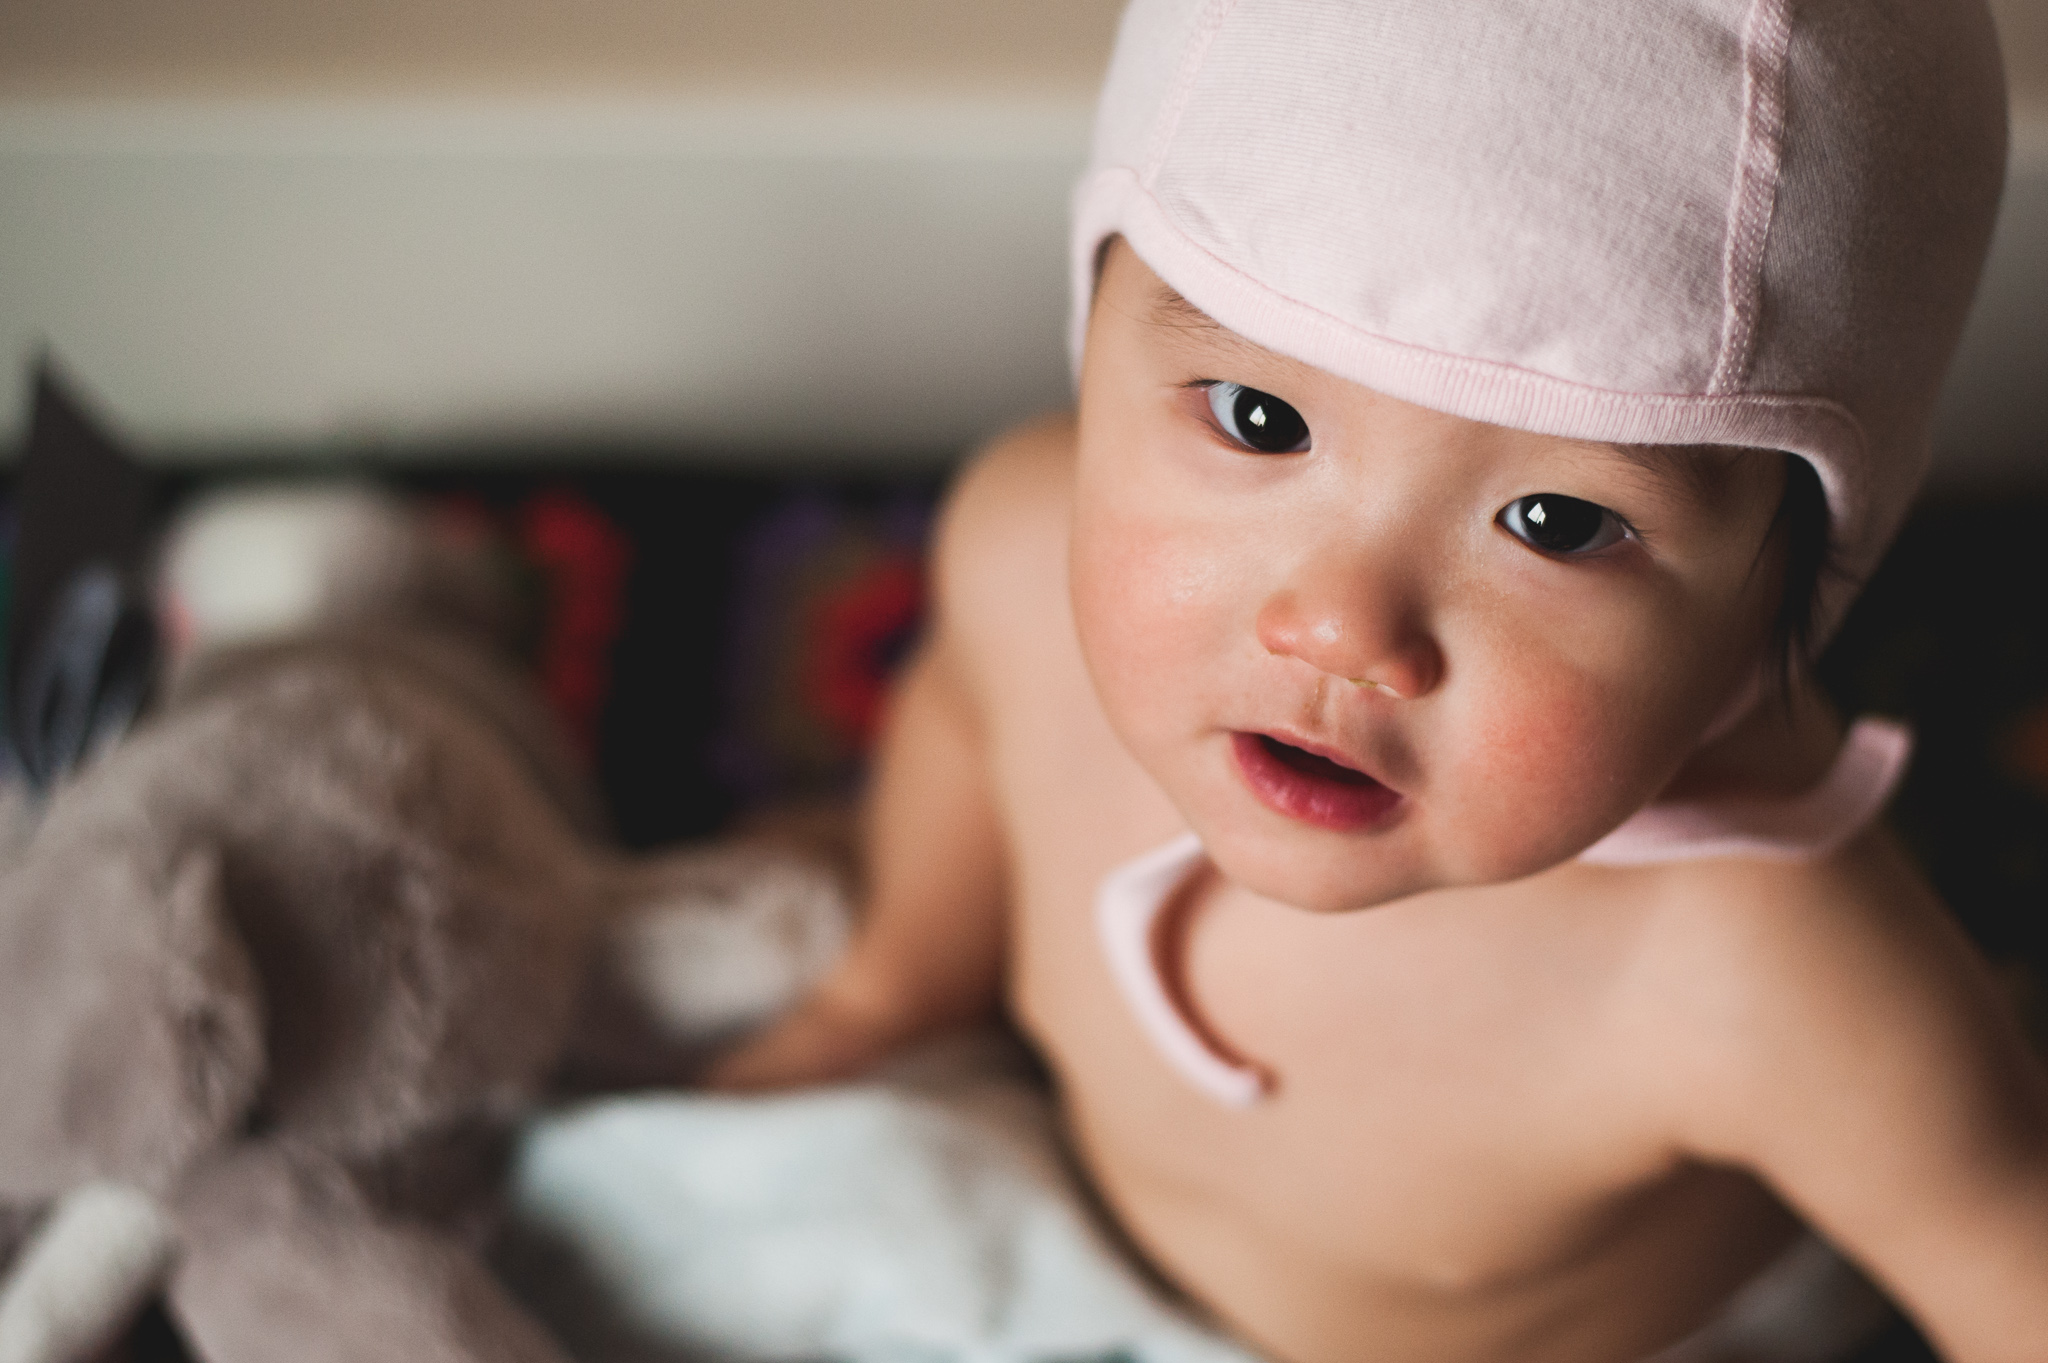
(1258, 421)
(1557, 524)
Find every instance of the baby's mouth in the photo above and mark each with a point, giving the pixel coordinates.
(1310, 787)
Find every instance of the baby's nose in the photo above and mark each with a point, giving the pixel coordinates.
(1382, 646)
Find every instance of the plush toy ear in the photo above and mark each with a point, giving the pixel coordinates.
(79, 645)
(132, 1016)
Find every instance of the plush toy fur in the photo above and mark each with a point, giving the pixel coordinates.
(278, 971)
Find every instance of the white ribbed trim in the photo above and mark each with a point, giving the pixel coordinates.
(1205, 30)
(1127, 908)
(1856, 789)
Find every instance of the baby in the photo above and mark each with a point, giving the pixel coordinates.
(1369, 745)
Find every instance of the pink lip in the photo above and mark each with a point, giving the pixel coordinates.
(1311, 786)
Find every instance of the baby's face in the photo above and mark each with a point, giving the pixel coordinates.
(1369, 649)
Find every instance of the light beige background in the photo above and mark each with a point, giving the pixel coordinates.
(976, 47)
(830, 228)
(525, 47)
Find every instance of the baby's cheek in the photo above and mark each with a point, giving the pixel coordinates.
(1149, 600)
(1551, 768)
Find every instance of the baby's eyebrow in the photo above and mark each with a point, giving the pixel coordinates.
(1174, 313)
(1169, 309)
(1695, 473)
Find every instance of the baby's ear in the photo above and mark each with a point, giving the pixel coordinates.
(702, 944)
(132, 1015)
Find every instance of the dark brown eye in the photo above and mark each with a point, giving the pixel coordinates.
(1256, 420)
(1557, 524)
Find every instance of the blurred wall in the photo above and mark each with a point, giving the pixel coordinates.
(526, 47)
(821, 227)
(1993, 428)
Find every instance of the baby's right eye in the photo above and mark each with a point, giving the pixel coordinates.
(1257, 420)
(1566, 526)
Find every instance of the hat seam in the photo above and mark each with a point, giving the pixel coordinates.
(1179, 93)
(1752, 200)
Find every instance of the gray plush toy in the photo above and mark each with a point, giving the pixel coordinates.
(278, 972)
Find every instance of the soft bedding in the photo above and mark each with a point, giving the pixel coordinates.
(924, 1215)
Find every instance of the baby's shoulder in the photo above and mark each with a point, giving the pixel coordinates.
(1757, 979)
(1012, 496)
(999, 559)
(1791, 925)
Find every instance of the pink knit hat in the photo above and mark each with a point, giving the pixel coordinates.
(1743, 222)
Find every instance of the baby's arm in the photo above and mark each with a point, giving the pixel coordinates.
(1871, 1074)
(928, 951)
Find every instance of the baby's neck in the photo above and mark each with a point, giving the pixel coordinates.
(1783, 746)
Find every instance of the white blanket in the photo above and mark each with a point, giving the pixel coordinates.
(923, 1216)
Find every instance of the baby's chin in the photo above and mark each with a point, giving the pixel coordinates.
(1325, 872)
(1319, 872)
